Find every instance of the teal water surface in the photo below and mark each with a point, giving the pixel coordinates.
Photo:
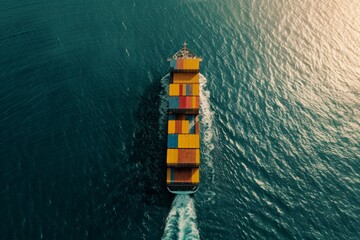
(82, 152)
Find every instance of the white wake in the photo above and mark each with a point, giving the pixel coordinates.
(181, 221)
(206, 118)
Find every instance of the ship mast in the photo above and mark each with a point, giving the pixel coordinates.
(184, 53)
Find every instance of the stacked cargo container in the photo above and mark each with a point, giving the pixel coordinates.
(183, 144)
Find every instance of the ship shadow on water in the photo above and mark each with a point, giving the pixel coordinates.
(137, 202)
(148, 154)
(148, 146)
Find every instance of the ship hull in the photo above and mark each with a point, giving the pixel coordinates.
(183, 143)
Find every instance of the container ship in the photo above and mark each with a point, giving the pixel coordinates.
(183, 139)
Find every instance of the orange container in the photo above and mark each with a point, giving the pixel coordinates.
(179, 64)
(194, 90)
(174, 90)
(191, 64)
(186, 78)
(189, 156)
(185, 126)
(171, 126)
(188, 141)
(182, 175)
(172, 156)
(184, 89)
(178, 126)
(195, 176)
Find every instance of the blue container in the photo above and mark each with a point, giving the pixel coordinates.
(173, 102)
(176, 102)
(172, 141)
(188, 89)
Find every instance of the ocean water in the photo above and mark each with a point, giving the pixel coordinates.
(82, 147)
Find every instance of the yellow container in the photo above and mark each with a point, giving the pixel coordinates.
(188, 141)
(185, 126)
(193, 102)
(197, 158)
(195, 90)
(172, 156)
(191, 64)
(185, 64)
(174, 90)
(186, 77)
(171, 126)
(182, 142)
(195, 176)
(188, 64)
(195, 140)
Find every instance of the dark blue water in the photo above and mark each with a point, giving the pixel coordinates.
(82, 151)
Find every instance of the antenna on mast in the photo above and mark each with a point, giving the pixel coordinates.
(185, 51)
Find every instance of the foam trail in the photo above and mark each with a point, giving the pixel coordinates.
(181, 221)
(206, 117)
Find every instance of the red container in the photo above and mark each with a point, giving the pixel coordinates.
(178, 126)
(182, 102)
(187, 102)
(183, 175)
(180, 90)
(187, 155)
